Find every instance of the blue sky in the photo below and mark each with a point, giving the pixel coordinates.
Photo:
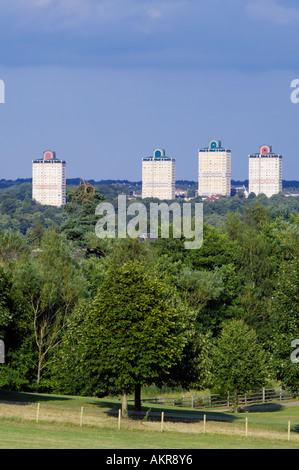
(104, 82)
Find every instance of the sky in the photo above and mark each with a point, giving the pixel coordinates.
(105, 82)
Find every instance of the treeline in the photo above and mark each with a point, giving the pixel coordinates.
(294, 184)
(81, 315)
(19, 212)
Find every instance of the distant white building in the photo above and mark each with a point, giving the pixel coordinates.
(214, 170)
(49, 180)
(291, 193)
(265, 172)
(158, 176)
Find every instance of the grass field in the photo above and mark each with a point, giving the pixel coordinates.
(28, 435)
(59, 426)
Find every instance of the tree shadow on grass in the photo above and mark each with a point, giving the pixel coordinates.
(25, 398)
(263, 408)
(176, 416)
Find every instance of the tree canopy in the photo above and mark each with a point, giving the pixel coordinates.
(82, 315)
(134, 331)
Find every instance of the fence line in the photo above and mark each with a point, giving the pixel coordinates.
(199, 422)
(217, 401)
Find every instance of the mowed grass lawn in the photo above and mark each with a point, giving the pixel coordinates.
(19, 430)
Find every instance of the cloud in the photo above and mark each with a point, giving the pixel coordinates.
(153, 33)
(154, 13)
(272, 12)
(45, 15)
(71, 14)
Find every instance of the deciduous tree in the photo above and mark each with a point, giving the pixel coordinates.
(239, 360)
(134, 331)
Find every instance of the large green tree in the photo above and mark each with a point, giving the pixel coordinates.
(51, 283)
(16, 331)
(134, 330)
(239, 359)
(81, 221)
(285, 318)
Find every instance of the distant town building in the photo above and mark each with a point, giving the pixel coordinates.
(214, 170)
(180, 193)
(265, 172)
(158, 176)
(291, 193)
(212, 198)
(49, 180)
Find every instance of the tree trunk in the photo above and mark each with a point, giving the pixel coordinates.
(124, 404)
(138, 397)
(38, 372)
(39, 365)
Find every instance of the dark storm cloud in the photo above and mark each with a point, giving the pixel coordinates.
(240, 34)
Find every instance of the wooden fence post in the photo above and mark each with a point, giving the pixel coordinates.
(37, 412)
(162, 421)
(289, 430)
(81, 417)
(246, 427)
(204, 423)
(119, 418)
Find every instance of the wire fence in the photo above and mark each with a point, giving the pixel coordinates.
(262, 425)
